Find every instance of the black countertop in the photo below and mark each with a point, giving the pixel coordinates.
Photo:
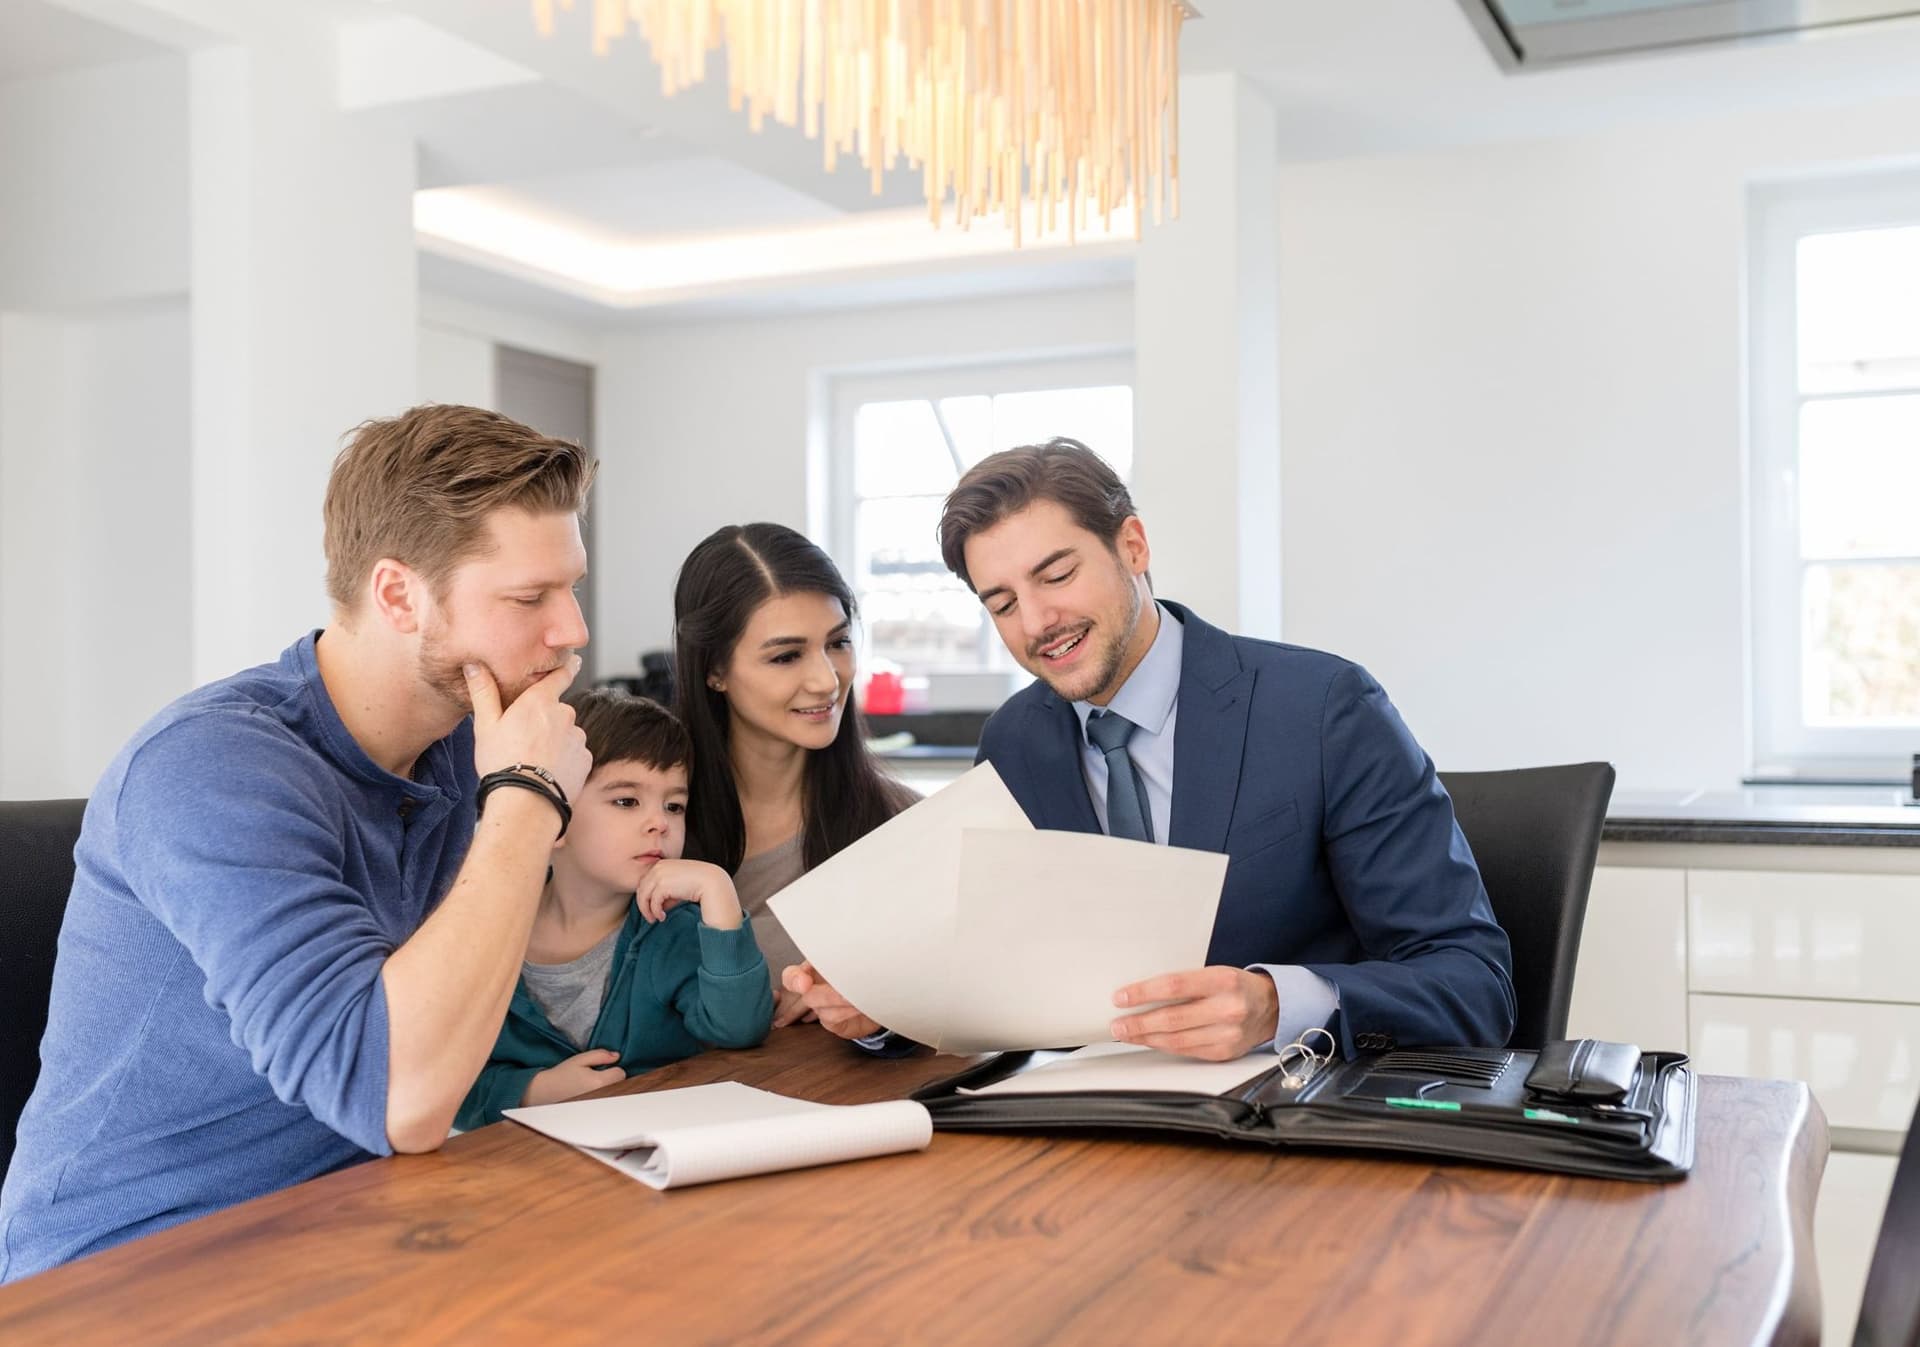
(1850, 816)
(1783, 815)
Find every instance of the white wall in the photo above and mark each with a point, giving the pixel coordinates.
(705, 424)
(455, 367)
(93, 185)
(94, 538)
(304, 322)
(1511, 418)
(95, 584)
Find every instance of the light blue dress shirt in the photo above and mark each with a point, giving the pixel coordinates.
(1150, 699)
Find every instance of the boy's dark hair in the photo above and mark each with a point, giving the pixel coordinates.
(621, 727)
(1063, 471)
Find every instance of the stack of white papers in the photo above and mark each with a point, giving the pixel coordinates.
(959, 925)
(1132, 1068)
(701, 1133)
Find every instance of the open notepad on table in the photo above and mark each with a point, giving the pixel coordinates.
(701, 1133)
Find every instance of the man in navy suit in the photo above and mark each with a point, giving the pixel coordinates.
(1351, 901)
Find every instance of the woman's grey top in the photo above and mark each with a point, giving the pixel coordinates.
(758, 879)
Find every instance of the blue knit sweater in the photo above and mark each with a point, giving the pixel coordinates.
(218, 1027)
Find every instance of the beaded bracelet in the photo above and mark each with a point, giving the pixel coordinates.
(551, 794)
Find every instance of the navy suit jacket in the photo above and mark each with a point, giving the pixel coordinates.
(1344, 853)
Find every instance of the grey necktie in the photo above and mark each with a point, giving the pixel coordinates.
(1127, 811)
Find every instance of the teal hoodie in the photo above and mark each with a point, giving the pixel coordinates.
(676, 986)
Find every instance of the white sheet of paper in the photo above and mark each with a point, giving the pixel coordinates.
(957, 924)
(877, 919)
(702, 1133)
(1128, 1066)
(1050, 924)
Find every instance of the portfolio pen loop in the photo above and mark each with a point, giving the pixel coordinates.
(1298, 1060)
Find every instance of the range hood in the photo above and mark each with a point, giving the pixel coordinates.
(1527, 34)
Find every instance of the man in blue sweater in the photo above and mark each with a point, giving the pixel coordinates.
(290, 943)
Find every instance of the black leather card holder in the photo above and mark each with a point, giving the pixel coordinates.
(1589, 1070)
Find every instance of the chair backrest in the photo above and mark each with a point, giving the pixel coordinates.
(1535, 832)
(36, 872)
(1890, 1309)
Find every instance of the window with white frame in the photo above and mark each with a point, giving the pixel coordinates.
(1835, 480)
(900, 443)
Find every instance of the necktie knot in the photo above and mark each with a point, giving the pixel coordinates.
(1107, 731)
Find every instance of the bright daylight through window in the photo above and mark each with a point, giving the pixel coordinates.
(1837, 486)
(900, 457)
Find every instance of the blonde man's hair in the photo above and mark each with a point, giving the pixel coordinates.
(418, 487)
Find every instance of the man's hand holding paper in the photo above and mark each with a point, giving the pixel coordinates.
(960, 926)
(825, 1004)
(1216, 1013)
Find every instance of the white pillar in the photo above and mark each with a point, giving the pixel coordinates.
(304, 323)
(1207, 408)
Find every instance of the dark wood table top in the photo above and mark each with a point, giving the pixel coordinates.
(504, 1235)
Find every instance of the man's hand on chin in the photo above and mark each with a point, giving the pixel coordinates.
(1216, 1013)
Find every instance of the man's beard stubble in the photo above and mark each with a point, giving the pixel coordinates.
(445, 674)
(1112, 656)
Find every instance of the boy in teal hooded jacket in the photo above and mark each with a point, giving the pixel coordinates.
(637, 958)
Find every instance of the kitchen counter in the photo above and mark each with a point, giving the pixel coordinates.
(1872, 816)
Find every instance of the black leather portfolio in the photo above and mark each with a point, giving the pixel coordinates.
(1554, 1109)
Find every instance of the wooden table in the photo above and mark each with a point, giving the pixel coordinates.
(506, 1236)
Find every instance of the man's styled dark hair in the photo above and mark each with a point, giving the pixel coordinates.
(723, 580)
(1063, 471)
(621, 727)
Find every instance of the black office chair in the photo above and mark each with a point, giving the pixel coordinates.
(1890, 1309)
(36, 871)
(1535, 832)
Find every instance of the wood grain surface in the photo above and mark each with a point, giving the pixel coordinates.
(504, 1235)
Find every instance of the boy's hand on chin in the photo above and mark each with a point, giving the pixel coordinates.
(579, 1074)
(672, 882)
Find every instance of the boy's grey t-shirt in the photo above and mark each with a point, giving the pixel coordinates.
(570, 994)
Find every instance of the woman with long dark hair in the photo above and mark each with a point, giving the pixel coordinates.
(763, 666)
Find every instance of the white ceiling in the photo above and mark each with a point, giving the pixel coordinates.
(575, 142)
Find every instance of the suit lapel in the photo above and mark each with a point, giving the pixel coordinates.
(1059, 796)
(1209, 736)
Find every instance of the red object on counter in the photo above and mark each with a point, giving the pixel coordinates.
(885, 694)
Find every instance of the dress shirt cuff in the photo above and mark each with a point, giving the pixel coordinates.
(1307, 1001)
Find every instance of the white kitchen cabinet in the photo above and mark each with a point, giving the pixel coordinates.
(1630, 985)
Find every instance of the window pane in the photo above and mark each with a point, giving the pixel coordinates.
(1100, 418)
(1860, 477)
(914, 611)
(1861, 662)
(1859, 310)
(971, 421)
(898, 450)
(923, 629)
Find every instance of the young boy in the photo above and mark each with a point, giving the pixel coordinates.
(637, 958)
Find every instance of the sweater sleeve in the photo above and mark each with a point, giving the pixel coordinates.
(719, 978)
(234, 837)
